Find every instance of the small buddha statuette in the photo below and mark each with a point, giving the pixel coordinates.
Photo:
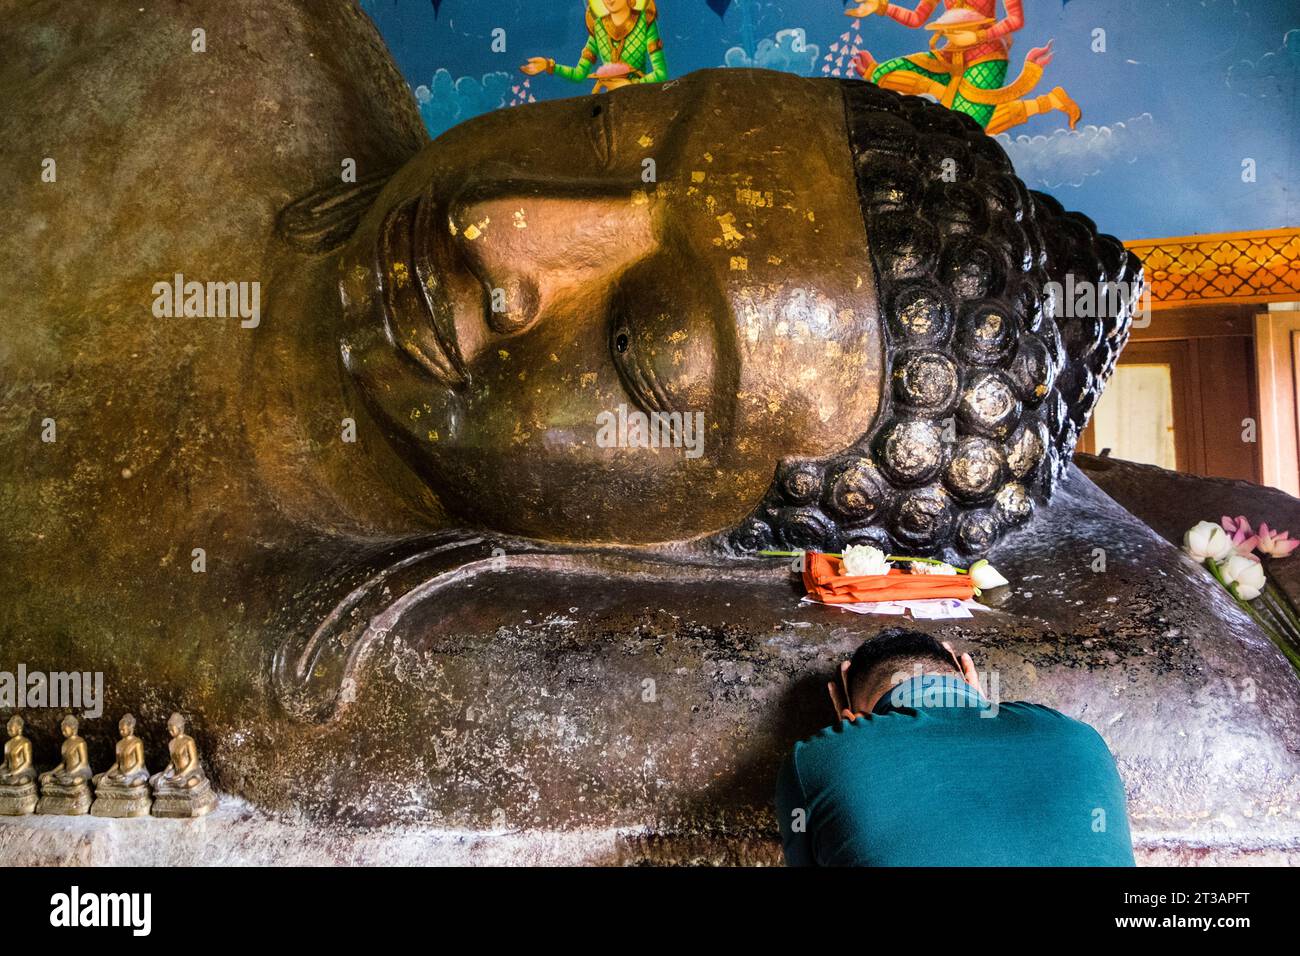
(123, 789)
(65, 790)
(182, 790)
(17, 773)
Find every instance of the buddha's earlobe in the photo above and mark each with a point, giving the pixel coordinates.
(326, 218)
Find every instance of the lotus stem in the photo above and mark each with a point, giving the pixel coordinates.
(1285, 629)
(1283, 602)
(1282, 644)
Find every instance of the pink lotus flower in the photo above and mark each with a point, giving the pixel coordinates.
(1276, 544)
(1244, 539)
(1233, 525)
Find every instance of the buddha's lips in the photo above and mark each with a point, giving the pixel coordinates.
(418, 314)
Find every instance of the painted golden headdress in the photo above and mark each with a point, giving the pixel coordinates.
(599, 9)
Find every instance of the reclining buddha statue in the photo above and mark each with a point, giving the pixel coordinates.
(325, 461)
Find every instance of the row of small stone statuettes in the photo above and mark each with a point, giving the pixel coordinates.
(123, 790)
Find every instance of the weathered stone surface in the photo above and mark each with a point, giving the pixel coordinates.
(516, 700)
(240, 835)
(535, 683)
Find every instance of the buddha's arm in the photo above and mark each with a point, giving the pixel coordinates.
(80, 757)
(586, 62)
(655, 48)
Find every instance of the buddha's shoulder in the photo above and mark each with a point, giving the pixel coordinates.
(186, 126)
(266, 87)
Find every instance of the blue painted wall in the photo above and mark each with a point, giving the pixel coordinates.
(1187, 97)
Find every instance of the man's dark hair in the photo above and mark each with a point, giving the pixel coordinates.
(894, 650)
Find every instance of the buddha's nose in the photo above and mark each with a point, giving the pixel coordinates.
(531, 248)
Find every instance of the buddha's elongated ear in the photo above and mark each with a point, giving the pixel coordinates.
(322, 220)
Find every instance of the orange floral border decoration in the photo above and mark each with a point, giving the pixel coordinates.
(1262, 266)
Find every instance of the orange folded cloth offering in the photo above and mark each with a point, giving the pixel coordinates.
(824, 578)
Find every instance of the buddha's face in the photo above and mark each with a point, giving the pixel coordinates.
(540, 278)
(126, 727)
(69, 727)
(15, 726)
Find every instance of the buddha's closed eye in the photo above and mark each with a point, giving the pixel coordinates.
(514, 234)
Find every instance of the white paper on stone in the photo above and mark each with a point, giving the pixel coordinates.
(932, 609)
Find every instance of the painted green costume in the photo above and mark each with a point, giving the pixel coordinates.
(986, 75)
(638, 45)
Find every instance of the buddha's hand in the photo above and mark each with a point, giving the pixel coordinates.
(867, 8)
(535, 65)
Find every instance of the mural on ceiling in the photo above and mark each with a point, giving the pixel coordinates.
(965, 68)
(1162, 118)
(623, 35)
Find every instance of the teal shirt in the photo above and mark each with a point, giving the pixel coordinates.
(936, 776)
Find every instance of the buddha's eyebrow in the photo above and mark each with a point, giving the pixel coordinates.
(581, 189)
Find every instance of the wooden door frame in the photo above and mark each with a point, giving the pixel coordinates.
(1184, 378)
(1192, 325)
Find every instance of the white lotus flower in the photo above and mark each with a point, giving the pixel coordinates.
(1246, 573)
(1206, 539)
(984, 576)
(863, 559)
(920, 567)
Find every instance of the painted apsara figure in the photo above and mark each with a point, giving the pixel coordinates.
(623, 47)
(966, 68)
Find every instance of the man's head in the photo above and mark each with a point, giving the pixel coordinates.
(890, 658)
